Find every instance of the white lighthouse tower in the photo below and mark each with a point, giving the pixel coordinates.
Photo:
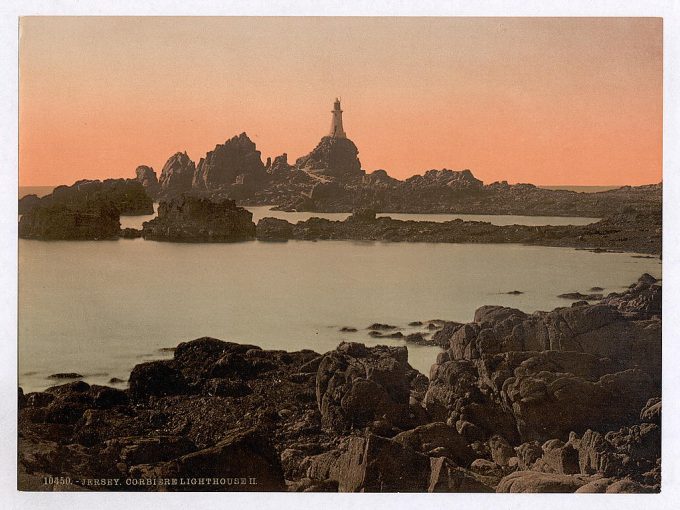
(336, 125)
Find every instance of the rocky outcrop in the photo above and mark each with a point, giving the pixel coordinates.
(436, 179)
(177, 175)
(126, 195)
(192, 219)
(542, 376)
(636, 233)
(237, 162)
(147, 177)
(333, 157)
(357, 387)
(279, 168)
(91, 220)
(506, 409)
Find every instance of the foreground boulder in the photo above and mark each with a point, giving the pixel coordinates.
(357, 386)
(377, 464)
(192, 219)
(243, 460)
(542, 376)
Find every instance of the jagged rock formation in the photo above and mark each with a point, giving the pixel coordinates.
(177, 175)
(280, 167)
(333, 157)
(330, 179)
(237, 162)
(518, 403)
(126, 195)
(193, 219)
(147, 176)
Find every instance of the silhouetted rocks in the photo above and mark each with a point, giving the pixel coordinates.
(147, 177)
(334, 157)
(28, 203)
(560, 401)
(130, 233)
(330, 179)
(177, 175)
(66, 375)
(577, 296)
(639, 232)
(236, 163)
(192, 219)
(93, 219)
(127, 195)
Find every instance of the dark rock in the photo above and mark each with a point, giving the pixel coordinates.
(239, 456)
(236, 162)
(66, 375)
(373, 464)
(274, 229)
(581, 297)
(362, 215)
(147, 177)
(346, 329)
(515, 292)
(651, 413)
(440, 438)
(336, 157)
(533, 481)
(191, 219)
(130, 233)
(448, 477)
(177, 175)
(355, 385)
(126, 195)
(156, 378)
(91, 220)
(381, 327)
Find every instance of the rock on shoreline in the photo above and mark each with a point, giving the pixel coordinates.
(635, 232)
(559, 401)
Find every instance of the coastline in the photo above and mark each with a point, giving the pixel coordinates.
(331, 422)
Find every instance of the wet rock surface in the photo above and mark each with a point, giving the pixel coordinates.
(561, 401)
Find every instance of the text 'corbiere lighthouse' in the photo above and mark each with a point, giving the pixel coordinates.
(336, 125)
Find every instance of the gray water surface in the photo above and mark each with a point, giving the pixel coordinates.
(99, 308)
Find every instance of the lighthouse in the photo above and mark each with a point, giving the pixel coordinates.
(336, 125)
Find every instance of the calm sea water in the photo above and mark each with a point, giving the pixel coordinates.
(99, 308)
(260, 212)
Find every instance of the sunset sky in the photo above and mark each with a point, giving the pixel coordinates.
(551, 101)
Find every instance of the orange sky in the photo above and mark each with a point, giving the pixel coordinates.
(543, 100)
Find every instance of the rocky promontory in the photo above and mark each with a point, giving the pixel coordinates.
(194, 219)
(560, 401)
